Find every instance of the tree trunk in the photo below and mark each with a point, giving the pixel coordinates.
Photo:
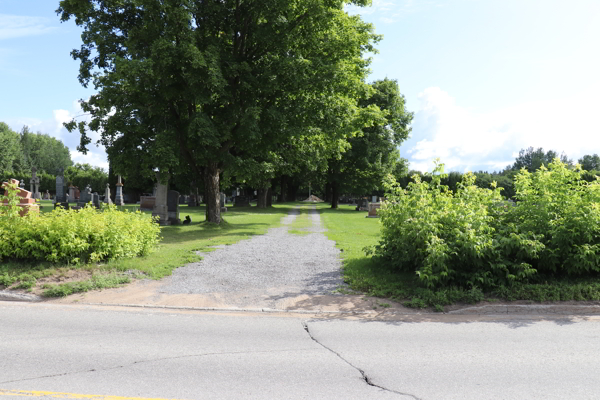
(327, 192)
(270, 197)
(292, 192)
(211, 193)
(283, 184)
(261, 201)
(334, 194)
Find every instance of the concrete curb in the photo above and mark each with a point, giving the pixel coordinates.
(529, 309)
(10, 296)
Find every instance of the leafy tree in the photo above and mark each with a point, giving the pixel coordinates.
(532, 160)
(44, 152)
(81, 175)
(10, 151)
(372, 154)
(590, 162)
(195, 84)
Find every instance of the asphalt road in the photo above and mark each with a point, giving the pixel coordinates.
(83, 351)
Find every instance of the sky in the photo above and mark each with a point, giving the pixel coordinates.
(484, 78)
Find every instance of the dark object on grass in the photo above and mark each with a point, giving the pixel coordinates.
(188, 220)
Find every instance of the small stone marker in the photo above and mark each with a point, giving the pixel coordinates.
(373, 207)
(96, 200)
(60, 186)
(161, 209)
(119, 200)
(35, 184)
(107, 199)
(363, 205)
(85, 197)
(47, 195)
(241, 201)
(173, 207)
(222, 202)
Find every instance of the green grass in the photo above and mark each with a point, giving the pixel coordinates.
(352, 232)
(303, 221)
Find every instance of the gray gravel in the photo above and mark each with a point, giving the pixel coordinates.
(265, 268)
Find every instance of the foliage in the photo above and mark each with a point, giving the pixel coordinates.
(532, 160)
(190, 85)
(44, 152)
(473, 238)
(372, 154)
(11, 157)
(81, 175)
(590, 162)
(72, 236)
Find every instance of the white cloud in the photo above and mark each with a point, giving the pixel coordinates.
(389, 11)
(13, 26)
(464, 139)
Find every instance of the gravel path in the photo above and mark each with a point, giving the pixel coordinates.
(266, 269)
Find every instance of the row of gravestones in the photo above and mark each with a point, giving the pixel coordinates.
(62, 197)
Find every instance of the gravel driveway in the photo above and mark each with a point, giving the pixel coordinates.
(264, 270)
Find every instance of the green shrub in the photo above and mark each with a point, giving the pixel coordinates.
(76, 236)
(474, 238)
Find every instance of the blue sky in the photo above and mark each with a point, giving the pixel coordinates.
(485, 78)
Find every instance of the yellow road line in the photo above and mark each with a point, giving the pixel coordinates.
(60, 395)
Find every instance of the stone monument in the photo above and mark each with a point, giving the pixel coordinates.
(161, 209)
(85, 197)
(35, 184)
(107, 199)
(26, 203)
(222, 202)
(119, 194)
(173, 207)
(241, 201)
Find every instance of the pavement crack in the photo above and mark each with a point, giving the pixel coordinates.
(146, 361)
(365, 377)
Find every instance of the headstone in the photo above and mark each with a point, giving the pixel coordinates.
(192, 201)
(160, 209)
(222, 202)
(96, 200)
(60, 187)
(363, 205)
(71, 193)
(107, 199)
(47, 195)
(182, 199)
(373, 207)
(85, 197)
(35, 183)
(26, 203)
(373, 199)
(241, 201)
(173, 207)
(147, 202)
(119, 200)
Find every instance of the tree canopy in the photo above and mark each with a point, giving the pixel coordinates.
(196, 84)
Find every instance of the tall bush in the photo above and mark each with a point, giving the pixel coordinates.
(475, 238)
(75, 236)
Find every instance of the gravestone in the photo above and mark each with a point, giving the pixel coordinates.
(107, 199)
(85, 197)
(26, 203)
(373, 207)
(60, 187)
(173, 207)
(96, 200)
(222, 202)
(71, 193)
(192, 201)
(47, 195)
(35, 184)
(147, 202)
(161, 209)
(119, 200)
(363, 205)
(241, 201)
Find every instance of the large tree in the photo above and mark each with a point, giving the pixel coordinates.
(11, 155)
(590, 162)
(373, 153)
(44, 152)
(214, 80)
(532, 159)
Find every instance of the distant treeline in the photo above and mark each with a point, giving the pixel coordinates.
(531, 159)
(20, 152)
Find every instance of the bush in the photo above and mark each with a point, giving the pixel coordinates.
(75, 236)
(474, 238)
